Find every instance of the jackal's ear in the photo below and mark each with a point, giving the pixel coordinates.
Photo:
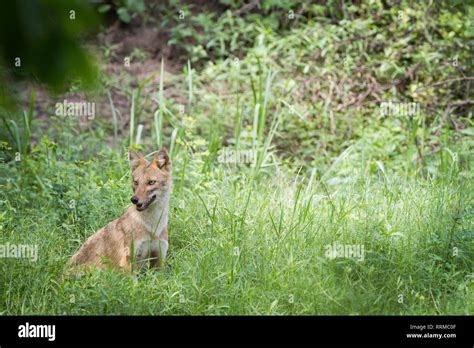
(135, 159)
(161, 159)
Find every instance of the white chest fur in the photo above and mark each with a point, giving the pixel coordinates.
(155, 220)
(150, 250)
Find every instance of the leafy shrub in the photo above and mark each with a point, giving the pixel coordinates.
(125, 10)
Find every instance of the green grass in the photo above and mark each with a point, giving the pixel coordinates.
(244, 239)
(251, 238)
(242, 246)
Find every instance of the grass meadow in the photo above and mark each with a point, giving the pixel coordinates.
(290, 197)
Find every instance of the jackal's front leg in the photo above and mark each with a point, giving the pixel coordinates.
(158, 254)
(124, 262)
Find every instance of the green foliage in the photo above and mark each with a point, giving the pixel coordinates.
(39, 40)
(303, 96)
(334, 78)
(126, 10)
(237, 246)
(19, 137)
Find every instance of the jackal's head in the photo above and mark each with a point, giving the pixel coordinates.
(151, 179)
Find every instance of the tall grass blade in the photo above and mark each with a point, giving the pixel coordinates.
(114, 116)
(132, 118)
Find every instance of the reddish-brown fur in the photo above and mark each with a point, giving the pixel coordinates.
(144, 229)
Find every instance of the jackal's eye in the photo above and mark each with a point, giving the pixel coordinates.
(152, 182)
(135, 183)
